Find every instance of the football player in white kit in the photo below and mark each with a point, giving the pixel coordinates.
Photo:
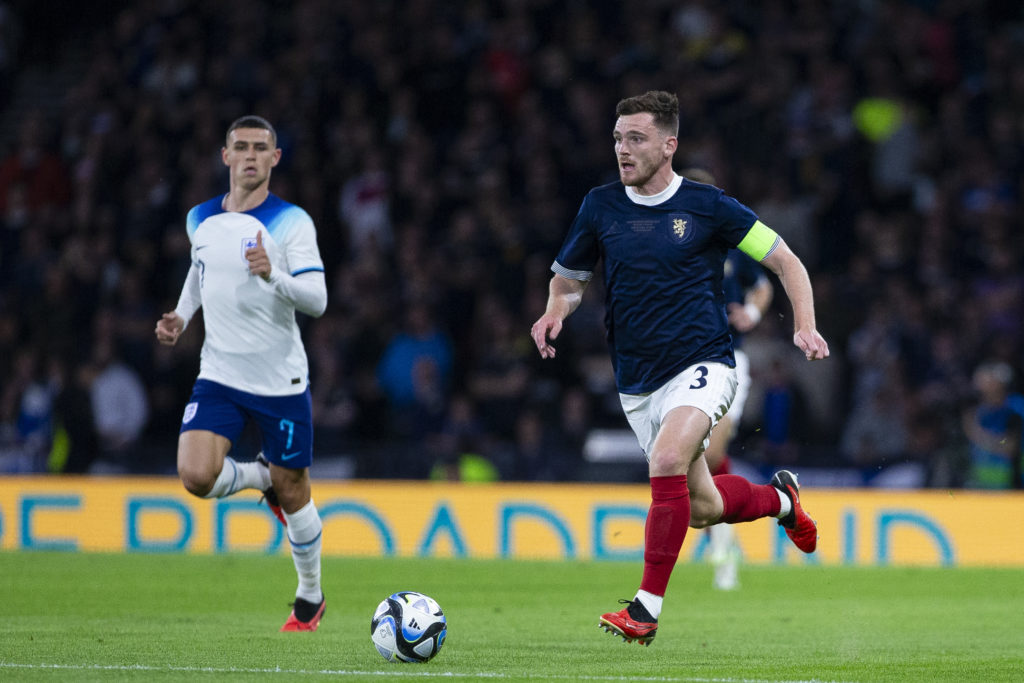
(255, 261)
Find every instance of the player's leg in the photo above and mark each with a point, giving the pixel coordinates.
(672, 425)
(708, 504)
(742, 501)
(678, 441)
(269, 495)
(720, 498)
(718, 442)
(211, 423)
(724, 555)
(732, 499)
(287, 426)
(708, 501)
(305, 531)
(729, 498)
(668, 517)
(723, 552)
(723, 549)
(201, 456)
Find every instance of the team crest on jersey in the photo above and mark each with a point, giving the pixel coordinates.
(190, 412)
(247, 244)
(682, 226)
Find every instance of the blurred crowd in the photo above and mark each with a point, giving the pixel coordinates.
(442, 150)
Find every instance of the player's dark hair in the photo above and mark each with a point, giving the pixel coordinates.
(253, 121)
(663, 106)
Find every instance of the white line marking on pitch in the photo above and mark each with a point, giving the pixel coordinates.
(388, 673)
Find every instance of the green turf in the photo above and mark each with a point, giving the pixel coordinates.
(82, 617)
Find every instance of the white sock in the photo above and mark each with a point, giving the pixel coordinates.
(651, 601)
(263, 471)
(786, 505)
(235, 476)
(721, 539)
(304, 534)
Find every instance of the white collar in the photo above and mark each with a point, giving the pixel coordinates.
(655, 199)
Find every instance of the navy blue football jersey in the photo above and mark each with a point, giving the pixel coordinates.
(663, 268)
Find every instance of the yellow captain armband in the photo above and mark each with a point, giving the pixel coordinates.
(759, 242)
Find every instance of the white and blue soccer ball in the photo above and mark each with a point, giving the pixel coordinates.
(408, 627)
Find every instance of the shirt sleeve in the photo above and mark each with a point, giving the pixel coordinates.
(300, 243)
(579, 253)
(304, 285)
(190, 299)
(307, 291)
(733, 220)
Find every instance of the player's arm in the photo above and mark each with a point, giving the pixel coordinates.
(306, 291)
(172, 324)
(763, 244)
(1004, 442)
(564, 297)
(756, 301)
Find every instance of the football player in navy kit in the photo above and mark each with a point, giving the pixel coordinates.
(663, 242)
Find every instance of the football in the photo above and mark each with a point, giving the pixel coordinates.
(408, 627)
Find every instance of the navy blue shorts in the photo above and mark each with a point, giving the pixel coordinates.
(285, 423)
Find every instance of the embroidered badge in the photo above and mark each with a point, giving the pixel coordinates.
(247, 244)
(683, 227)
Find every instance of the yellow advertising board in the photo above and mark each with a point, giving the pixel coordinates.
(535, 521)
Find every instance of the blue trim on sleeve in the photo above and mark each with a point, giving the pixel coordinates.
(269, 212)
(278, 215)
(307, 270)
(201, 212)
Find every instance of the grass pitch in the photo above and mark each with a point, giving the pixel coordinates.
(93, 617)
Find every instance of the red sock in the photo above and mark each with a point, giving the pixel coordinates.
(745, 502)
(724, 467)
(667, 521)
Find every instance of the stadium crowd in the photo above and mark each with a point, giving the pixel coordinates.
(442, 150)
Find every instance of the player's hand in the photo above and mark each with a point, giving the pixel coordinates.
(812, 344)
(544, 331)
(259, 262)
(739, 317)
(169, 328)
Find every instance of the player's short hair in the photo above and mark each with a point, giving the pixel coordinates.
(252, 121)
(663, 106)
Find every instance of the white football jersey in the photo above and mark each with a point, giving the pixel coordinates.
(252, 340)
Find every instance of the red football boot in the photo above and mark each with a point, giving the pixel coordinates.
(308, 617)
(634, 623)
(800, 528)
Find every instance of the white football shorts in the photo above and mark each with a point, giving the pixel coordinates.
(742, 387)
(709, 387)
